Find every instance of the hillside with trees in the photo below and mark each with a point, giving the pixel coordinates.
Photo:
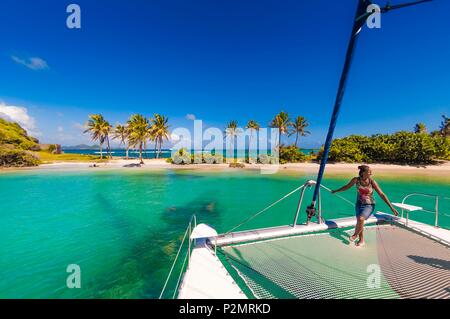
(16, 146)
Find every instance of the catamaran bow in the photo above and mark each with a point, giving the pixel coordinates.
(363, 11)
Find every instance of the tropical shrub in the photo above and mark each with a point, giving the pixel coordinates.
(17, 158)
(264, 159)
(212, 159)
(209, 158)
(181, 157)
(252, 160)
(401, 147)
(442, 146)
(413, 148)
(267, 159)
(237, 165)
(291, 154)
(346, 149)
(51, 148)
(197, 158)
(218, 159)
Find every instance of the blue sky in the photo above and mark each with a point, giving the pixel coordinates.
(221, 60)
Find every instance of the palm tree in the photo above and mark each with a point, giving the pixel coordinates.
(99, 129)
(298, 128)
(121, 132)
(232, 131)
(252, 126)
(420, 128)
(139, 132)
(280, 121)
(159, 131)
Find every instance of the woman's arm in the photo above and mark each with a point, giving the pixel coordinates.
(344, 188)
(384, 197)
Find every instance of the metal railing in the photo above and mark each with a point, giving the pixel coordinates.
(192, 224)
(305, 186)
(436, 206)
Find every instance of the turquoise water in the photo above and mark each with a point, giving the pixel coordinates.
(122, 227)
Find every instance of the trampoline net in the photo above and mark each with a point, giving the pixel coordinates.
(394, 263)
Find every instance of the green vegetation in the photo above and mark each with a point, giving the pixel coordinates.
(252, 126)
(420, 128)
(181, 157)
(159, 131)
(18, 149)
(14, 135)
(401, 148)
(16, 146)
(231, 132)
(445, 126)
(46, 157)
(122, 133)
(137, 131)
(17, 158)
(99, 129)
(281, 122)
(236, 164)
(209, 158)
(267, 159)
(291, 154)
(298, 127)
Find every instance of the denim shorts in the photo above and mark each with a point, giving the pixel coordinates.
(364, 210)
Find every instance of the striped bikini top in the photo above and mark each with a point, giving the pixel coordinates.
(364, 192)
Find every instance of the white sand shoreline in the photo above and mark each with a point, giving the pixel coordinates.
(442, 170)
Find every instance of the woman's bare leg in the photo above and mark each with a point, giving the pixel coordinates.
(353, 237)
(359, 226)
(361, 236)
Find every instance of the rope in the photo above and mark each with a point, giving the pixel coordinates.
(175, 260)
(281, 199)
(341, 197)
(289, 194)
(265, 209)
(179, 277)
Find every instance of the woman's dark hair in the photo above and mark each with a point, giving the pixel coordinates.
(363, 169)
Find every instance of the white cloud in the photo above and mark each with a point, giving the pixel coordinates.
(79, 126)
(34, 63)
(17, 114)
(190, 117)
(60, 129)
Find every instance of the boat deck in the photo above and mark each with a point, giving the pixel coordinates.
(395, 263)
(207, 278)
(284, 231)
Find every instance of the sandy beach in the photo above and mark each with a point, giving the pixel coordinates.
(439, 170)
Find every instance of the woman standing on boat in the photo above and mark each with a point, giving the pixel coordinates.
(365, 203)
